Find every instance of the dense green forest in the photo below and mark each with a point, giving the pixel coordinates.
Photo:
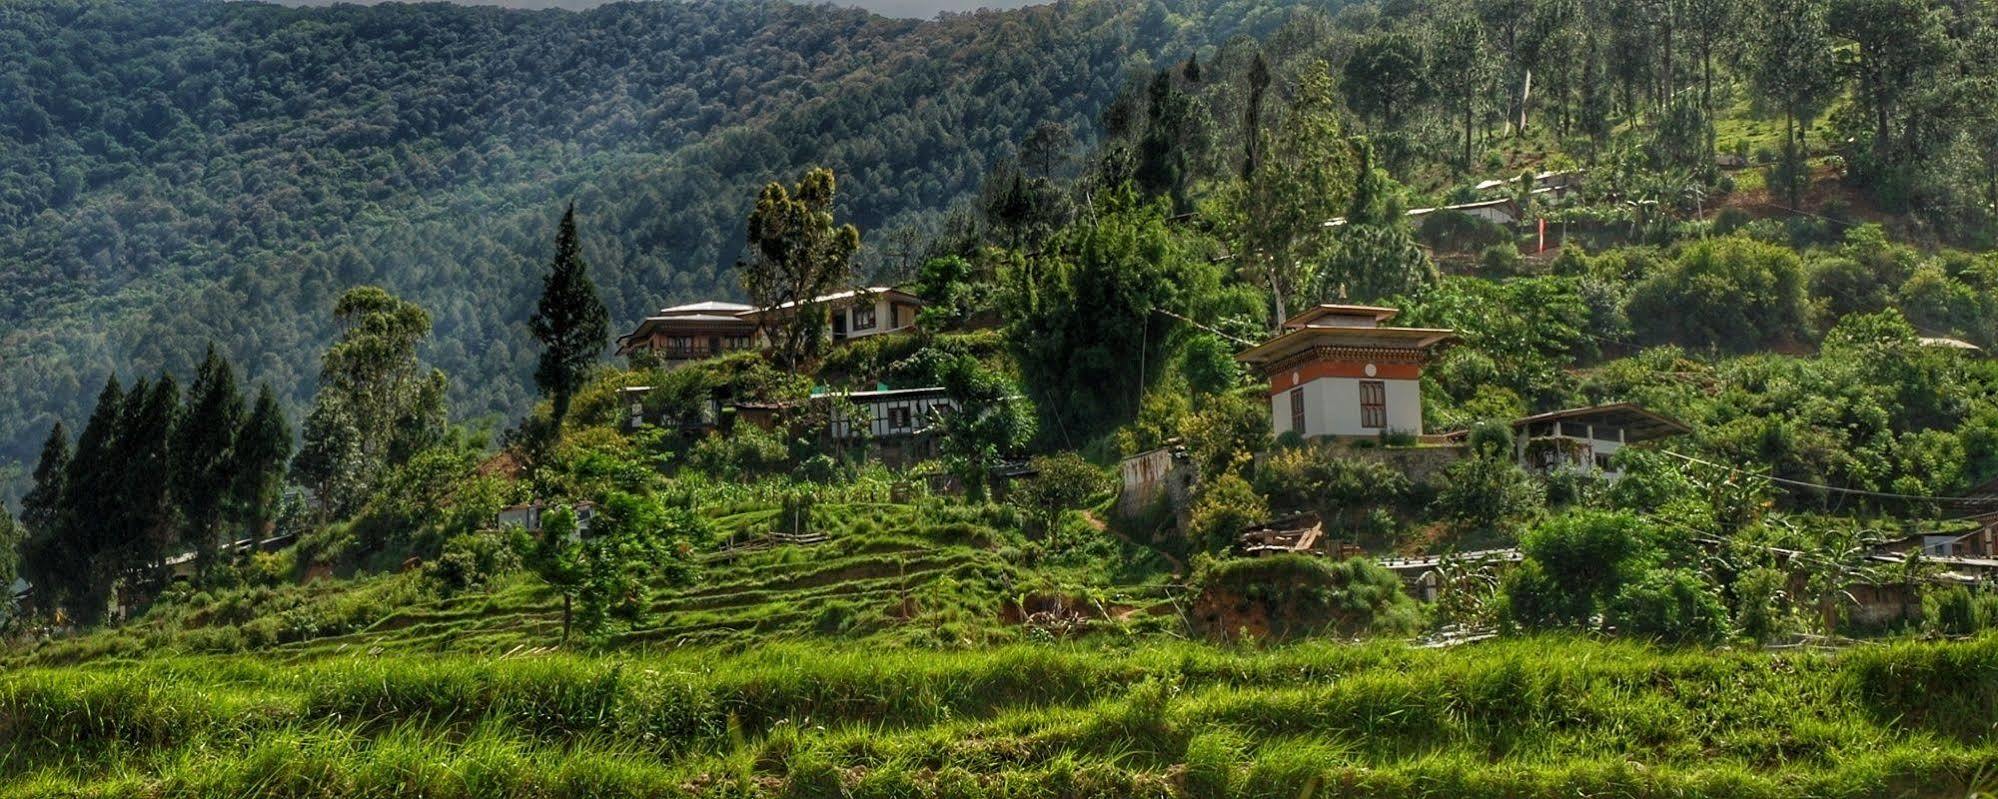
(174, 174)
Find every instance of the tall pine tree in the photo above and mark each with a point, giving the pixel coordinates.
(570, 321)
(202, 453)
(263, 444)
(148, 521)
(88, 513)
(44, 562)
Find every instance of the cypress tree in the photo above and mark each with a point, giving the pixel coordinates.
(148, 523)
(263, 444)
(570, 321)
(42, 558)
(202, 453)
(87, 512)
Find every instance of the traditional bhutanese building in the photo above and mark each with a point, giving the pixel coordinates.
(704, 330)
(692, 332)
(1336, 371)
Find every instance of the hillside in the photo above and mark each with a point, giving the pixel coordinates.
(1466, 398)
(177, 173)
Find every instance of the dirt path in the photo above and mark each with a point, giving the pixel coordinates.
(1097, 524)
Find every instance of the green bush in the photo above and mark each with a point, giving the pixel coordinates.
(1223, 509)
(1676, 606)
(1305, 595)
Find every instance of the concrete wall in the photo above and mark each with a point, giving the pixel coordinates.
(1148, 476)
(1332, 408)
(885, 317)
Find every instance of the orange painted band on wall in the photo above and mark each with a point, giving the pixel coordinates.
(1307, 372)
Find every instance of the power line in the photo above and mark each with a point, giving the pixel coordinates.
(1839, 489)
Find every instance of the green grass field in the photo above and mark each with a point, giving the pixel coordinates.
(1547, 717)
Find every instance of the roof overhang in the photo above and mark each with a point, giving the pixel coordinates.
(1410, 342)
(1637, 423)
(1374, 314)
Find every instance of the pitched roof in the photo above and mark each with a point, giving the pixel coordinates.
(707, 307)
(1304, 338)
(844, 295)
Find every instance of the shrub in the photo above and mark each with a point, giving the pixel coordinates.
(746, 451)
(1758, 611)
(1297, 595)
(1676, 606)
(1060, 483)
(470, 560)
(1487, 496)
(1952, 611)
(1223, 510)
(1573, 565)
(1731, 293)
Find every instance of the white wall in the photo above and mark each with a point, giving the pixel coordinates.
(920, 411)
(884, 321)
(1332, 408)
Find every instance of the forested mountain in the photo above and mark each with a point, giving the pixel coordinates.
(177, 173)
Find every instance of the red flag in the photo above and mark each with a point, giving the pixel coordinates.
(1543, 234)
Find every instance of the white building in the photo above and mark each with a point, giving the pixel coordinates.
(888, 413)
(1335, 371)
(1585, 439)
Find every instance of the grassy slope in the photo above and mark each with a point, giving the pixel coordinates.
(916, 574)
(1548, 717)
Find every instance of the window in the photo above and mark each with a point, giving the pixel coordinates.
(1602, 462)
(898, 418)
(863, 317)
(1297, 410)
(1373, 404)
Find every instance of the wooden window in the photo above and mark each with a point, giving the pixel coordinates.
(863, 317)
(1373, 404)
(1297, 410)
(898, 417)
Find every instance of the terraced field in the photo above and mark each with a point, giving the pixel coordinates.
(888, 571)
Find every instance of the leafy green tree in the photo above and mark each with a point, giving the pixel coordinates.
(203, 453)
(76, 577)
(1487, 496)
(11, 540)
(329, 460)
(1574, 565)
(1089, 332)
(1221, 511)
(559, 560)
(797, 253)
(1060, 483)
(44, 560)
(1676, 606)
(1733, 294)
(986, 422)
(1302, 179)
(1791, 66)
(377, 407)
(570, 321)
(1459, 65)
(1386, 75)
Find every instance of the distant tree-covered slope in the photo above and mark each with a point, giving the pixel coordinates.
(175, 173)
